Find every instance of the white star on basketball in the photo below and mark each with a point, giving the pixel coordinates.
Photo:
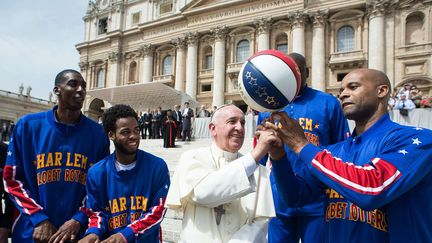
(416, 141)
(403, 151)
(248, 75)
(9, 153)
(166, 186)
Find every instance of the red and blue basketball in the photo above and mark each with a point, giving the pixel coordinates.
(269, 81)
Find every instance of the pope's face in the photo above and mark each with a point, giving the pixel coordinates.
(227, 129)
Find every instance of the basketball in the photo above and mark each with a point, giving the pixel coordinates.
(269, 81)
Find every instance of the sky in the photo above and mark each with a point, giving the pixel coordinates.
(37, 41)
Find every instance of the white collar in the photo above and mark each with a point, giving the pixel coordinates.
(120, 167)
(217, 152)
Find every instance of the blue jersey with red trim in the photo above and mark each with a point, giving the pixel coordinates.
(46, 169)
(324, 123)
(378, 185)
(131, 202)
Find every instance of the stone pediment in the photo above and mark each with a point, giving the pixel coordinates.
(198, 6)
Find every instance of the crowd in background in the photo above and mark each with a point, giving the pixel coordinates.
(409, 97)
(6, 130)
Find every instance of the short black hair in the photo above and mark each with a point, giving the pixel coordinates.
(110, 116)
(61, 74)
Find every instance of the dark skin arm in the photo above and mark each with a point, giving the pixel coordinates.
(90, 238)
(115, 238)
(289, 131)
(43, 231)
(67, 232)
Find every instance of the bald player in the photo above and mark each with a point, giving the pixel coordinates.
(377, 184)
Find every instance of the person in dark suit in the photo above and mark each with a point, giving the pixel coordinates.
(187, 122)
(179, 119)
(157, 123)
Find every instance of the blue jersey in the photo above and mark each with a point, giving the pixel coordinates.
(131, 202)
(324, 123)
(377, 185)
(46, 169)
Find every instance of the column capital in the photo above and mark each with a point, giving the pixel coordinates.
(192, 38)
(378, 8)
(219, 32)
(83, 66)
(319, 17)
(298, 18)
(263, 24)
(115, 56)
(179, 43)
(147, 49)
(117, 7)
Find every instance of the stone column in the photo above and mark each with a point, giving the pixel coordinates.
(147, 52)
(263, 26)
(318, 50)
(85, 72)
(180, 44)
(220, 34)
(376, 11)
(113, 71)
(192, 64)
(298, 42)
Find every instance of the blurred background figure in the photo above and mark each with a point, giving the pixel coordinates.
(202, 112)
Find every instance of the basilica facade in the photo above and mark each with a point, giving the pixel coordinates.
(197, 47)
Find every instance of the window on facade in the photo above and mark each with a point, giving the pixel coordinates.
(208, 61)
(132, 71)
(167, 65)
(166, 6)
(103, 26)
(341, 76)
(242, 52)
(135, 18)
(345, 39)
(282, 43)
(414, 29)
(208, 58)
(206, 88)
(101, 78)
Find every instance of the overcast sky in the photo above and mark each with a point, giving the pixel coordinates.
(37, 40)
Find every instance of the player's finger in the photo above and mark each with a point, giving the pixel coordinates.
(272, 126)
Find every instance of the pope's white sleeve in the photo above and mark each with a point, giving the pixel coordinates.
(225, 184)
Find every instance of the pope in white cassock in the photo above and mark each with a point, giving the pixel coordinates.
(224, 196)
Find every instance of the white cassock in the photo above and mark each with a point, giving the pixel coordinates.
(206, 178)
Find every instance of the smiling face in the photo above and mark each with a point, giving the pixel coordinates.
(126, 135)
(227, 128)
(71, 91)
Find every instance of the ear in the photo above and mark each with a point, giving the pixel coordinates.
(212, 129)
(56, 91)
(382, 91)
(111, 135)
